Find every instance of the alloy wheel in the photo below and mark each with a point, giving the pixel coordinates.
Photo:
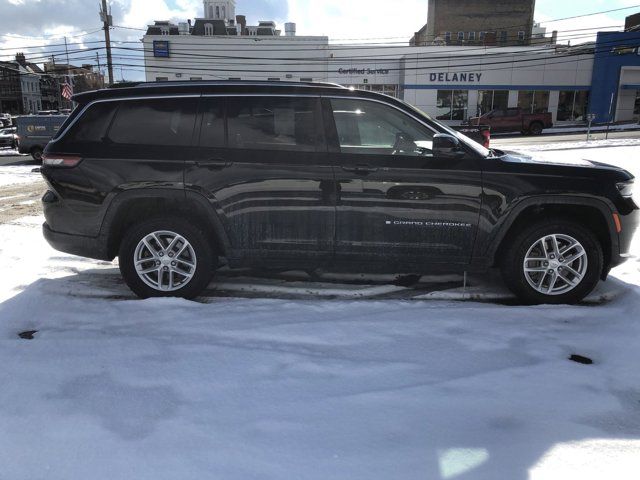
(165, 261)
(555, 264)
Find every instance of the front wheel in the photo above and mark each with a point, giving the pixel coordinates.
(535, 128)
(166, 257)
(557, 262)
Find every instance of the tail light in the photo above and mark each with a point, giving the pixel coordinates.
(486, 134)
(61, 161)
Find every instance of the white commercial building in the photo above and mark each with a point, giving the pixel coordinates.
(451, 83)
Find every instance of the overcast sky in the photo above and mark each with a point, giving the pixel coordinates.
(28, 24)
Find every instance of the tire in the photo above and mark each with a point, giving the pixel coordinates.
(536, 128)
(532, 287)
(36, 153)
(197, 251)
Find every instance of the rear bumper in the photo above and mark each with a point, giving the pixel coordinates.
(91, 247)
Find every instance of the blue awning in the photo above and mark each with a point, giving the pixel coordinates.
(631, 86)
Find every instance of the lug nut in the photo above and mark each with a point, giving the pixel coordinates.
(552, 256)
(161, 254)
(171, 255)
(166, 269)
(545, 264)
(550, 271)
(157, 263)
(173, 264)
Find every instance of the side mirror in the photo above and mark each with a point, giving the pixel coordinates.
(446, 146)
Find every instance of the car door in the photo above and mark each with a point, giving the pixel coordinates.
(397, 202)
(263, 164)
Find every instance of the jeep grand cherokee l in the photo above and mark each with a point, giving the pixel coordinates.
(174, 177)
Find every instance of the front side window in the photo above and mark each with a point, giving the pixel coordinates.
(273, 123)
(157, 122)
(366, 127)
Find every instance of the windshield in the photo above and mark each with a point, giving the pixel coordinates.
(485, 152)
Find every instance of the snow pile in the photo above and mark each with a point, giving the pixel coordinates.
(18, 175)
(326, 388)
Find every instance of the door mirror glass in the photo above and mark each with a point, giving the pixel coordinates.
(446, 146)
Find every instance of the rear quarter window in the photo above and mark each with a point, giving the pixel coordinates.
(161, 122)
(92, 125)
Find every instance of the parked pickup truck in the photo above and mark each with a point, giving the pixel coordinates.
(514, 120)
(478, 133)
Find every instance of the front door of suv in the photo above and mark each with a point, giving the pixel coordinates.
(397, 202)
(263, 163)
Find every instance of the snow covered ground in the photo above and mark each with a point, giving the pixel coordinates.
(338, 379)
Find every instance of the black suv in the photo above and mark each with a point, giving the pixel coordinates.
(174, 177)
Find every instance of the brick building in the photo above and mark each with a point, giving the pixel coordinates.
(477, 22)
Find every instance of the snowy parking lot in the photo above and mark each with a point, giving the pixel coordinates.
(287, 377)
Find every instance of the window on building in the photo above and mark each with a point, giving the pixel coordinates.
(164, 30)
(452, 104)
(166, 122)
(481, 35)
(521, 35)
(273, 123)
(162, 79)
(212, 133)
(224, 13)
(472, 36)
(365, 127)
(308, 79)
(195, 78)
(273, 79)
(534, 101)
(208, 29)
(636, 105)
(489, 100)
(388, 89)
(460, 36)
(503, 36)
(447, 37)
(217, 12)
(235, 78)
(572, 105)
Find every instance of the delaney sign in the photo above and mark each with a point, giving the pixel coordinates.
(469, 77)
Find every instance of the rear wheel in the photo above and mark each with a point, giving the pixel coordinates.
(553, 262)
(36, 153)
(166, 258)
(535, 128)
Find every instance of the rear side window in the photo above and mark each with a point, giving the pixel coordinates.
(273, 123)
(92, 126)
(164, 122)
(212, 130)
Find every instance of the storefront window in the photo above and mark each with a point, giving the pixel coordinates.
(534, 101)
(387, 89)
(492, 100)
(452, 104)
(572, 105)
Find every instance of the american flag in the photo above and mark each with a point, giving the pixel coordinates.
(67, 91)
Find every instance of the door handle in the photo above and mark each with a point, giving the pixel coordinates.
(362, 169)
(214, 164)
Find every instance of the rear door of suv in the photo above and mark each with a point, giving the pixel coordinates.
(396, 200)
(262, 163)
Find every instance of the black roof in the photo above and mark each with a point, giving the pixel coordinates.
(219, 27)
(204, 86)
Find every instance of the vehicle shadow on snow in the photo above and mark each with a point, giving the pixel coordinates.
(455, 450)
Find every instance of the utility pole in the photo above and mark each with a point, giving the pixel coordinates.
(107, 21)
(66, 51)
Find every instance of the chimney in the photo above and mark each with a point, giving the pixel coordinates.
(290, 29)
(554, 37)
(242, 21)
(20, 59)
